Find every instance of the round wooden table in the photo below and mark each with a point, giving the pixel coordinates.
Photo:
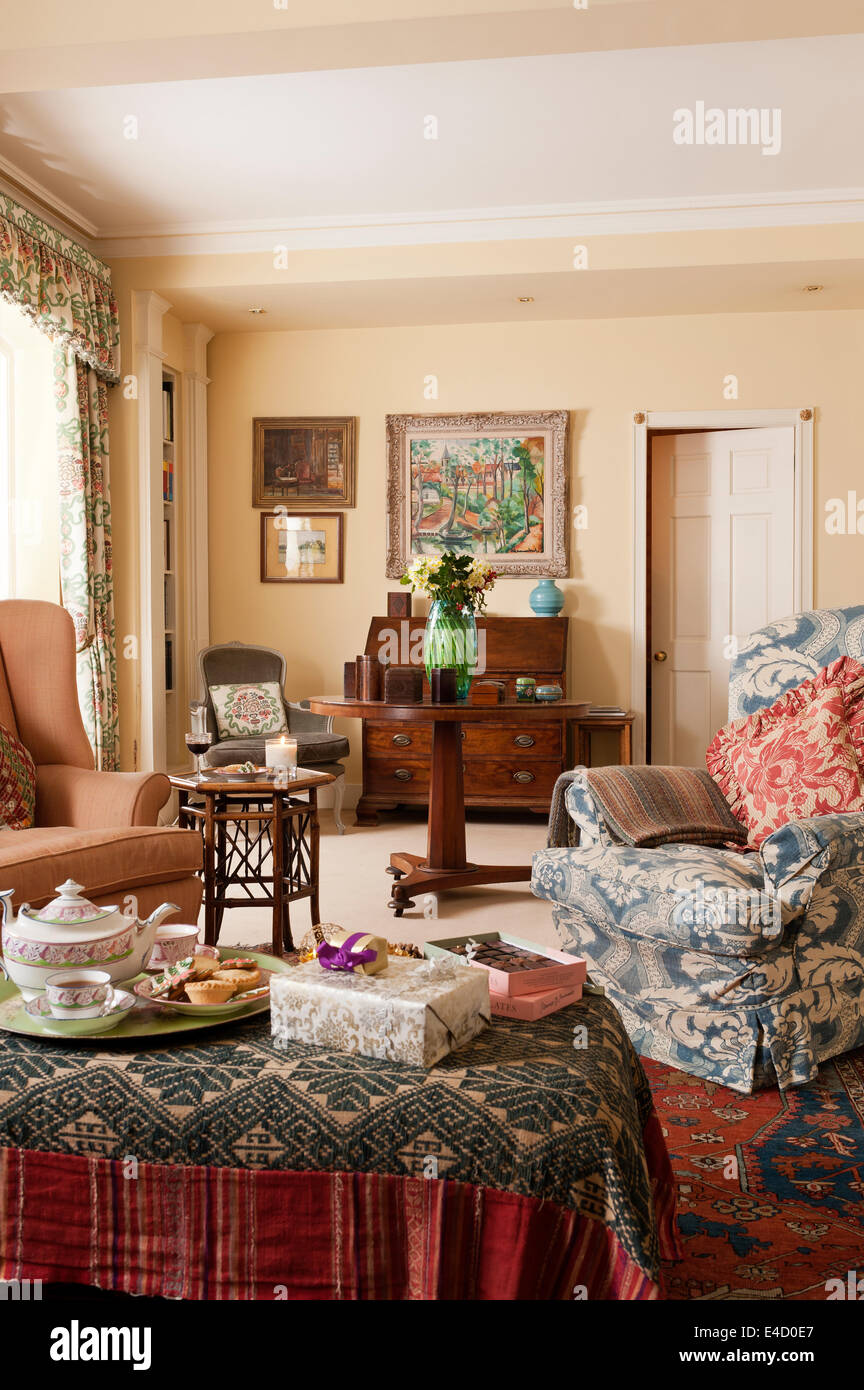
(446, 865)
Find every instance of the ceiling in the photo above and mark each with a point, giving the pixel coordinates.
(528, 135)
(305, 126)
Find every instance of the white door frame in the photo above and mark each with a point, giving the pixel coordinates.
(644, 423)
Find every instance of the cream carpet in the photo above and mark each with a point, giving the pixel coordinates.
(355, 888)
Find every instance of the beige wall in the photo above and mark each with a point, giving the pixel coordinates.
(601, 370)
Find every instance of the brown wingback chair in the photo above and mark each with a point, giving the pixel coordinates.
(98, 828)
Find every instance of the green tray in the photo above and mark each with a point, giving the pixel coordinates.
(144, 1020)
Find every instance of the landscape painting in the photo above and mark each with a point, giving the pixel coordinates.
(490, 486)
(297, 547)
(309, 461)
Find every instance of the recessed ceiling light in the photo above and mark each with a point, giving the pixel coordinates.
(526, 299)
(256, 309)
(812, 289)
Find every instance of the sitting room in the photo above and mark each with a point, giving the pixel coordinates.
(432, 656)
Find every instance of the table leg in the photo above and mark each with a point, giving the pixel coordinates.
(280, 909)
(209, 874)
(314, 847)
(445, 865)
(625, 753)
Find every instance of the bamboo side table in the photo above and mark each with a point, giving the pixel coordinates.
(285, 821)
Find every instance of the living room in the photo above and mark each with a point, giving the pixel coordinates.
(307, 320)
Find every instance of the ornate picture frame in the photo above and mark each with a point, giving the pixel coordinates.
(305, 461)
(492, 485)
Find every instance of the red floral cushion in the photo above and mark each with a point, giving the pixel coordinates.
(803, 756)
(17, 783)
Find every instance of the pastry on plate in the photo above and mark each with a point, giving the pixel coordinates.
(209, 991)
(240, 979)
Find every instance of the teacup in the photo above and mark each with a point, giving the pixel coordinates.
(172, 944)
(79, 993)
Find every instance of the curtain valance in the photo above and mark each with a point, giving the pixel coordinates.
(61, 286)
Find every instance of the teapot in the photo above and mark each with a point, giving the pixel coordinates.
(71, 932)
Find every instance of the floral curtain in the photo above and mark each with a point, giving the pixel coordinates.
(67, 293)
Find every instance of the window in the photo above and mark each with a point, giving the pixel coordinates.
(7, 537)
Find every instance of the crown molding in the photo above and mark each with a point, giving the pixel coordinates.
(718, 212)
(41, 201)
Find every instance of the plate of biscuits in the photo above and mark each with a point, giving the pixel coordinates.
(207, 985)
(239, 772)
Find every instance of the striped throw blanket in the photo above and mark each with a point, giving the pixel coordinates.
(648, 806)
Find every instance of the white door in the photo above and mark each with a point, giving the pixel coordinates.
(722, 559)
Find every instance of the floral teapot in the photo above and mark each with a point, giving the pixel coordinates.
(72, 932)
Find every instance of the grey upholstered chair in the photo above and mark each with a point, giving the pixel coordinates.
(318, 748)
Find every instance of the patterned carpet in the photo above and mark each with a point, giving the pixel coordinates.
(770, 1186)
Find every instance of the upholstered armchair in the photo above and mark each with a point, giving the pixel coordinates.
(318, 748)
(747, 968)
(99, 828)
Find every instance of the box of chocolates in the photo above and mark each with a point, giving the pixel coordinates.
(515, 967)
(530, 1007)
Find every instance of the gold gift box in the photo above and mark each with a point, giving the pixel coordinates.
(415, 1011)
(336, 936)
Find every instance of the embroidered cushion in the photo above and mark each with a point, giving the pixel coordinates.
(652, 806)
(248, 710)
(17, 783)
(802, 756)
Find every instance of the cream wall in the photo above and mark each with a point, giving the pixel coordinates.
(602, 370)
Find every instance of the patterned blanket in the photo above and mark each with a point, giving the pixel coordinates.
(521, 1113)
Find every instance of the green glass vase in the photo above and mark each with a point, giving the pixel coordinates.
(451, 640)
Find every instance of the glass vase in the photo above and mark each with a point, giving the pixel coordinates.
(451, 640)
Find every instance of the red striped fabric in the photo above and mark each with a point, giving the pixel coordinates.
(226, 1233)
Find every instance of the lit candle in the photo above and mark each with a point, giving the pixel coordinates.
(281, 752)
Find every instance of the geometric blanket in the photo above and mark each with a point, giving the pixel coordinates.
(518, 1128)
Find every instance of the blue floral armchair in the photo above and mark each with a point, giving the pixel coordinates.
(746, 968)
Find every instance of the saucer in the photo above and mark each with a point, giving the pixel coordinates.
(40, 1011)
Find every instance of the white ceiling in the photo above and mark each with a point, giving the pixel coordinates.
(526, 134)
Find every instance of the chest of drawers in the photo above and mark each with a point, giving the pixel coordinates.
(505, 764)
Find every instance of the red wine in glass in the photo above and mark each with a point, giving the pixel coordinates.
(198, 743)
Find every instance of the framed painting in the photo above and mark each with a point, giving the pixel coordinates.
(301, 548)
(494, 486)
(309, 462)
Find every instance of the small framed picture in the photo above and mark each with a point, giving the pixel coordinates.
(304, 461)
(301, 547)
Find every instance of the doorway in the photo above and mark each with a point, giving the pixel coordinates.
(722, 545)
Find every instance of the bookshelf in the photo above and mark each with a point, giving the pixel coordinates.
(170, 555)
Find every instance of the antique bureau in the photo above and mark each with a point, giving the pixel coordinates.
(506, 765)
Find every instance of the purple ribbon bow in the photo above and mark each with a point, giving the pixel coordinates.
(342, 957)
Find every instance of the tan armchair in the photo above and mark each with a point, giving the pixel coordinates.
(99, 828)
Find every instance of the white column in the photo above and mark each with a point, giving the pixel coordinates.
(195, 594)
(148, 310)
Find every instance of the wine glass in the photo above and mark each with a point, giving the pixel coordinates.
(198, 743)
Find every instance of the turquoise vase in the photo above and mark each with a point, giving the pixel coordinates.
(451, 640)
(546, 599)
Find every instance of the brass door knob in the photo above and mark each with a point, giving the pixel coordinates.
(661, 656)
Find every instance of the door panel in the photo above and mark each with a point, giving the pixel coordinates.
(722, 545)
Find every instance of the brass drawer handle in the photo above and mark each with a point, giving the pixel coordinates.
(402, 740)
(403, 774)
(524, 741)
(523, 776)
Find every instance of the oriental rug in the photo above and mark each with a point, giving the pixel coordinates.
(770, 1186)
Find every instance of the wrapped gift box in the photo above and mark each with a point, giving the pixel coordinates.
(415, 1011)
(562, 972)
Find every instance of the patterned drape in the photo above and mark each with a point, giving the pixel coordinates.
(67, 293)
